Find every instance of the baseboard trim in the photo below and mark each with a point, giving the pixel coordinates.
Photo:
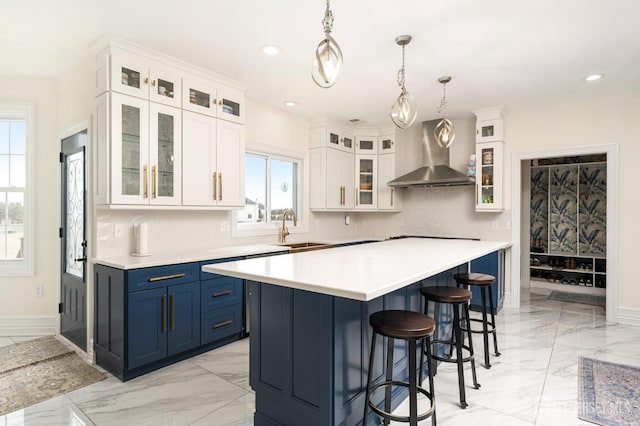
(28, 326)
(629, 316)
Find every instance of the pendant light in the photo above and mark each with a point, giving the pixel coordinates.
(328, 60)
(444, 130)
(403, 110)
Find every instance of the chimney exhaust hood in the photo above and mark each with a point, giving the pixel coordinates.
(436, 171)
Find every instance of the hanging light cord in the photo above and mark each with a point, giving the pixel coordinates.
(442, 109)
(401, 72)
(327, 21)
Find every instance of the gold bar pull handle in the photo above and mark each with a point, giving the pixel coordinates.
(173, 311)
(154, 188)
(164, 312)
(146, 181)
(356, 193)
(215, 185)
(153, 83)
(146, 80)
(392, 196)
(221, 293)
(476, 193)
(220, 180)
(166, 277)
(222, 324)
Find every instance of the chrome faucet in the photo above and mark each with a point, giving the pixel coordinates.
(285, 231)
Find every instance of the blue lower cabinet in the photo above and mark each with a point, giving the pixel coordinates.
(220, 323)
(148, 318)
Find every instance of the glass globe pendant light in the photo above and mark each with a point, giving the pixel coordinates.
(328, 60)
(444, 130)
(403, 110)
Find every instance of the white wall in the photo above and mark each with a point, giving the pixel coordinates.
(591, 119)
(17, 294)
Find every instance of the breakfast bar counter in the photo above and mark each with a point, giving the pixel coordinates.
(310, 335)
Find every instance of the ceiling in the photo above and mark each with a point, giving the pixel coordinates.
(499, 52)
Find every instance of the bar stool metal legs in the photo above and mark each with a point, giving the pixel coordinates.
(415, 328)
(457, 298)
(483, 281)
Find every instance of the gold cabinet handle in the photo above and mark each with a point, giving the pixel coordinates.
(220, 180)
(173, 311)
(221, 293)
(215, 186)
(146, 80)
(392, 196)
(146, 181)
(164, 312)
(154, 188)
(166, 277)
(357, 193)
(220, 102)
(153, 83)
(222, 324)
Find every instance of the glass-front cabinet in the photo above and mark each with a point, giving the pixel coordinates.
(366, 144)
(204, 97)
(366, 181)
(489, 170)
(134, 76)
(146, 152)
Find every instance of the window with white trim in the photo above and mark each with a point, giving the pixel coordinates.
(15, 219)
(273, 183)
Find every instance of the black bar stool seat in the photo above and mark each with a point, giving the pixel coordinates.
(484, 282)
(413, 327)
(458, 298)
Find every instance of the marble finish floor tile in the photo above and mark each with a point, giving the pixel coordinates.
(534, 382)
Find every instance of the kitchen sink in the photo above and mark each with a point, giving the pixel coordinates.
(306, 246)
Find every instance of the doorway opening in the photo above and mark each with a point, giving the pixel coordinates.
(553, 262)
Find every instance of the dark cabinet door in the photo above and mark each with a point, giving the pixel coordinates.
(184, 317)
(148, 326)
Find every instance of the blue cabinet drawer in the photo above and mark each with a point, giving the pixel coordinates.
(219, 293)
(220, 323)
(207, 275)
(162, 276)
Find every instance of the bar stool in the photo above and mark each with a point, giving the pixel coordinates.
(413, 327)
(457, 298)
(484, 282)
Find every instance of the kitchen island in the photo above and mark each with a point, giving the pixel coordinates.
(310, 335)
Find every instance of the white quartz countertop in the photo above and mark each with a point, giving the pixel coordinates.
(362, 272)
(135, 262)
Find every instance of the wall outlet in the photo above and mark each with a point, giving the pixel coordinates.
(39, 290)
(495, 225)
(224, 226)
(118, 230)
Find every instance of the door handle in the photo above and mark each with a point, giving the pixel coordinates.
(164, 312)
(215, 185)
(173, 311)
(220, 179)
(81, 259)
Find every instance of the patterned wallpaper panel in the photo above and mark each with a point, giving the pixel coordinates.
(568, 209)
(563, 212)
(592, 220)
(539, 218)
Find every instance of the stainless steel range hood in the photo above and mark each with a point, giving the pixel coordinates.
(436, 171)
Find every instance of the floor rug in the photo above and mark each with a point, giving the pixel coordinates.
(29, 384)
(608, 393)
(30, 352)
(587, 299)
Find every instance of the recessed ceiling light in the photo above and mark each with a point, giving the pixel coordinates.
(290, 103)
(270, 50)
(594, 77)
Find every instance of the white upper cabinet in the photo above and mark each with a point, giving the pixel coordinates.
(146, 79)
(214, 157)
(166, 134)
(386, 172)
(489, 160)
(386, 144)
(145, 152)
(366, 144)
(208, 98)
(366, 184)
(332, 135)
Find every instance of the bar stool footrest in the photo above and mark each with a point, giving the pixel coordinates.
(389, 416)
(450, 359)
